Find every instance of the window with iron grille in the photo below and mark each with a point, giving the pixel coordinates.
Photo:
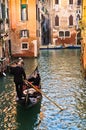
(24, 33)
(24, 46)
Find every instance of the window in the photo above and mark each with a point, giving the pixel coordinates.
(24, 46)
(56, 1)
(78, 17)
(64, 34)
(43, 0)
(24, 33)
(70, 20)
(24, 14)
(56, 21)
(67, 33)
(61, 33)
(78, 2)
(70, 1)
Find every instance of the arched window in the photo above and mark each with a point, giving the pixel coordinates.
(56, 1)
(61, 33)
(78, 17)
(67, 33)
(78, 2)
(56, 21)
(70, 20)
(70, 1)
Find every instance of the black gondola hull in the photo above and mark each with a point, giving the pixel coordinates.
(31, 96)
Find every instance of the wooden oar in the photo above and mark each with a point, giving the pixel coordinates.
(44, 95)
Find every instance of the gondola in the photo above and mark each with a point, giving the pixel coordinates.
(31, 90)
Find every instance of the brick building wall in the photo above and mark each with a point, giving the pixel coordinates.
(83, 34)
(19, 27)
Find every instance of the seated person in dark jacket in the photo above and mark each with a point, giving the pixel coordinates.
(19, 75)
(35, 80)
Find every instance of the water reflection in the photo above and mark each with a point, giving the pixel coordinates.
(7, 106)
(62, 81)
(28, 119)
(80, 96)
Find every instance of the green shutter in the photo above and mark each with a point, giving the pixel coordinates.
(3, 10)
(23, 6)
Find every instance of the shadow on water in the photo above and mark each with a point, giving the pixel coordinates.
(27, 119)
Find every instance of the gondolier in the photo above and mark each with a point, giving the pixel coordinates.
(19, 75)
(28, 96)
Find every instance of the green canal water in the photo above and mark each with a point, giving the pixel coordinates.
(62, 81)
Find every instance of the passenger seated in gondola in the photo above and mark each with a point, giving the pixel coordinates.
(35, 80)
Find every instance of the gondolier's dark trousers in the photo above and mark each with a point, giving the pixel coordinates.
(19, 89)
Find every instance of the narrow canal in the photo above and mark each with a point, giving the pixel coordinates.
(62, 81)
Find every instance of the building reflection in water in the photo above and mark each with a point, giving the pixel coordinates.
(28, 119)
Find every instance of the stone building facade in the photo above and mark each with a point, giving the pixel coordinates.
(59, 22)
(65, 18)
